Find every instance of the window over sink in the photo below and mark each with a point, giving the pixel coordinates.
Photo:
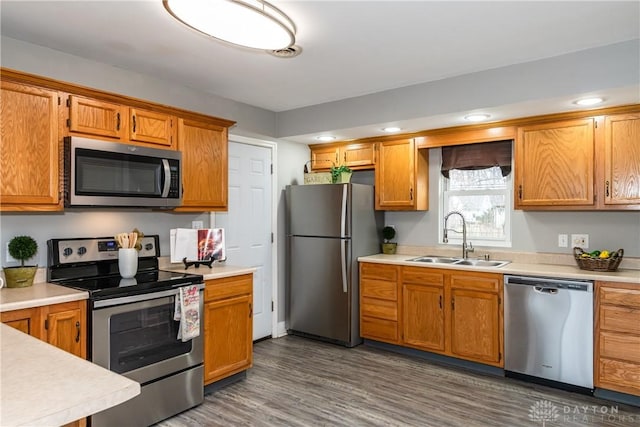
(483, 195)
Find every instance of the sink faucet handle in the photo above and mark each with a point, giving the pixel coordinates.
(470, 247)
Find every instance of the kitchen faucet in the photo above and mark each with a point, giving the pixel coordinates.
(466, 248)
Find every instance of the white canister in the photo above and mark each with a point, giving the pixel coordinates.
(128, 262)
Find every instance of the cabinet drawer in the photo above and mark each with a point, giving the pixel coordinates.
(228, 286)
(619, 296)
(384, 330)
(620, 346)
(379, 271)
(379, 289)
(475, 281)
(380, 309)
(620, 376)
(422, 276)
(619, 319)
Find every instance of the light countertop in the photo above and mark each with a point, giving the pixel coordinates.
(519, 268)
(217, 271)
(45, 386)
(37, 295)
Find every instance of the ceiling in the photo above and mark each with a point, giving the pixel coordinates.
(350, 48)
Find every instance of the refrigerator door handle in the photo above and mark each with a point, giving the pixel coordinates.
(343, 262)
(343, 216)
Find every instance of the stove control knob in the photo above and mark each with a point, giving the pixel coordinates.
(67, 251)
(82, 250)
(148, 246)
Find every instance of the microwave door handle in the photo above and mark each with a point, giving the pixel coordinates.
(167, 178)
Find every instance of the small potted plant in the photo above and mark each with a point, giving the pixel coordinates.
(21, 248)
(388, 233)
(340, 174)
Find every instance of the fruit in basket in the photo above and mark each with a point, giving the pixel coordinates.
(594, 254)
(604, 254)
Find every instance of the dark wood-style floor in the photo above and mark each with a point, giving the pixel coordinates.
(301, 382)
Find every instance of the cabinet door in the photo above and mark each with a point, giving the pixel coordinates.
(92, 117)
(323, 158)
(65, 326)
(423, 310)
(148, 126)
(30, 156)
(554, 165)
(395, 175)
(204, 165)
(358, 156)
(475, 326)
(227, 337)
(26, 320)
(622, 160)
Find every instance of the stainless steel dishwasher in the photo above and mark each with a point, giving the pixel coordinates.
(549, 329)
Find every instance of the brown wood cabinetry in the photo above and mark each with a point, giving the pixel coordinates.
(379, 302)
(621, 182)
(62, 325)
(402, 178)
(423, 308)
(554, 164)
(617, 337)
(204, 150)
(228, 327)
(151, 127)
(29, 153)
(355, 156)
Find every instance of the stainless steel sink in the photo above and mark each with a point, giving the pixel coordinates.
(482, 263)
(434, 259)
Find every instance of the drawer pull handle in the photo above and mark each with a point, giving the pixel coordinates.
(78, 331)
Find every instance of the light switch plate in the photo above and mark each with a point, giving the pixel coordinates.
(197, 224)
(580, 241)
(563, 240)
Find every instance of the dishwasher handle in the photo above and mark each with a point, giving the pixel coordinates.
(544, 290)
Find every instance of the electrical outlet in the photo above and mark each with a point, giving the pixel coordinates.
(9, 257)
(563, 240)
(580, 241)
(197, 224)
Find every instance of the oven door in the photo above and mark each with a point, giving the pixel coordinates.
(136, 336)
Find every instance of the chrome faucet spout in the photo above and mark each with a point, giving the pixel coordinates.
(466, 248)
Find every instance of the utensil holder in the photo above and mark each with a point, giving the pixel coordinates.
(128, 262)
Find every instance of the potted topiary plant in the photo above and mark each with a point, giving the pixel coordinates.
(340, 174)
(388, 233)
(21, 248)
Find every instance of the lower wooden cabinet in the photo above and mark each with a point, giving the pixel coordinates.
(62, 325)
(228, 327)
(379, 303)
(451, 312)
(617, 337)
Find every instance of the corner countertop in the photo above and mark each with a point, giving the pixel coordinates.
(37, 295)
(541, 270)
(217, 271)
(34, 394)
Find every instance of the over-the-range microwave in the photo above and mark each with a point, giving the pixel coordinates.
(113, 174)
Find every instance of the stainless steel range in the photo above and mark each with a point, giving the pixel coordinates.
(132, 330)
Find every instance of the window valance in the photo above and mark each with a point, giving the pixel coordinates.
(477, 156)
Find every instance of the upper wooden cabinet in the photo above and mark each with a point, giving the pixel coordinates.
(554, 165)
(355, 156)
(204, 148)
(29, 153)
(402, 176)
(621, 182)
(119, 122)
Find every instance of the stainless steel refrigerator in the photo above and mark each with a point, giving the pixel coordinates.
(328, 227)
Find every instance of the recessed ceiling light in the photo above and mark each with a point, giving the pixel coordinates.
(391, 129)
(325, 138)
(585, 102)
(476, 117)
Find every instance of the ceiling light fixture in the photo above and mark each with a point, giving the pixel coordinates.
(476, 117)
(585, 102)
(250, 23)
(391, 129)
(325, 138)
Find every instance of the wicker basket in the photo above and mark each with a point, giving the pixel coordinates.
(598, 264)
(316, 177)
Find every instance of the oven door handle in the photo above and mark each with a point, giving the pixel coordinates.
(143, 297)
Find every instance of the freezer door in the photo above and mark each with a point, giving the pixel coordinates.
(319, 210)
(320, 288)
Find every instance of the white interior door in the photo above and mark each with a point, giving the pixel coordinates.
(247, 225)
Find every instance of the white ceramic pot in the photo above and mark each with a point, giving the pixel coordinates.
(128, 262)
